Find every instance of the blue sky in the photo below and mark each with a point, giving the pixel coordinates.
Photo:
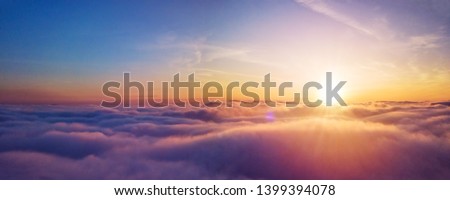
(376, 45)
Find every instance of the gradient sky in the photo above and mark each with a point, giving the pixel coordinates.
(63, 51)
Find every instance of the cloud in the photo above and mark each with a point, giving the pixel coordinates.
(378, 20)
(378, 140)
(324, 9)
(426, 41)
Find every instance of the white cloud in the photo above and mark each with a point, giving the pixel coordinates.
(322, 8)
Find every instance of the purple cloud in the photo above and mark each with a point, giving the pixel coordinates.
(381, 140)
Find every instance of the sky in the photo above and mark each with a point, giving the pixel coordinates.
(63, 51)
(55, 57)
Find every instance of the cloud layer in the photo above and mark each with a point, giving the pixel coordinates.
(381, 140)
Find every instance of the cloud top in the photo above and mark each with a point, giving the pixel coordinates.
(380, 140)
